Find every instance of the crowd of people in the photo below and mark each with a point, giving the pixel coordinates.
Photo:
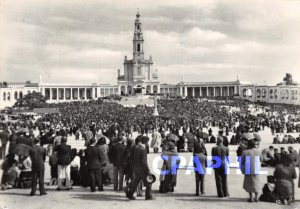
(114, 154)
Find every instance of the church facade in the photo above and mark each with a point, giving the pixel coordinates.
(140, 78)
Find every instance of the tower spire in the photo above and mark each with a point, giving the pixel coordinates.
(138, 40)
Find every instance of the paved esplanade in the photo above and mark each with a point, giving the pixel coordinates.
(183, 197)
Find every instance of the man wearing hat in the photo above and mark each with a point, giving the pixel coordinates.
(37, 155)
(221, 152)
(64, 154)
(225, 139)
(94, 163)
(140, 170)
(118, 157)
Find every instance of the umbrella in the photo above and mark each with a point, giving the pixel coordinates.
(189, 136)
(21, 149)
(203, 135)
(172, 137)
(24, 130)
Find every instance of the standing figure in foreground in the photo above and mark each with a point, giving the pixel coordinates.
(140, 170)
(37, 155)
(170, 165)
(221, 152)
(64, 154)
(200, 169)
(250, 163)
(94, 164)
(285, 173)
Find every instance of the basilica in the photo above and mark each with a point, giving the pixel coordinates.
(139, 77)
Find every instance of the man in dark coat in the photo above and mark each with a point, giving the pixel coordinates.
(276, 140)
(225, 139)
(221, 152)
(37, 155)
(118, 160)
(4, 137)
(140, 170)
(12, 141)
(94, 162)
(212, 139)
(64, 155)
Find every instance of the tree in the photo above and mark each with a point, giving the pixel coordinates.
(32, 100)
(288, 80)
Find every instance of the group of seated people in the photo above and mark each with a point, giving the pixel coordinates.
(272, 156)
(287, 139)
(16, 172)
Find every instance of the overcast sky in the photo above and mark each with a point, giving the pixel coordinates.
(85, 41)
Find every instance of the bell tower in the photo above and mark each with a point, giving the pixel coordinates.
(138, 40)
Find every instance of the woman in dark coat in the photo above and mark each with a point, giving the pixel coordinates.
(251, 179)
(285, 173)
(169, 179)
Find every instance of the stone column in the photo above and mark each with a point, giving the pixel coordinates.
(185, 91)
(78, 94)
(180, 91)
(85, 95)
(207, 91)
(193, 92)
(200, 91)
(235, 90)
(50, 91)
(221, 91)
(227, 90)
(214, 91)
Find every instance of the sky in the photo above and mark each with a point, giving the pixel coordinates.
(80, 41)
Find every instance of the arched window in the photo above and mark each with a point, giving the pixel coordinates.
(138, 47)
(16, 95)
(21, 94)
(258, 93)
(282, 93)
(8, 96)
(264, 93)
(244, 92)
(4, 96)
(271, 93)
(155, 88)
